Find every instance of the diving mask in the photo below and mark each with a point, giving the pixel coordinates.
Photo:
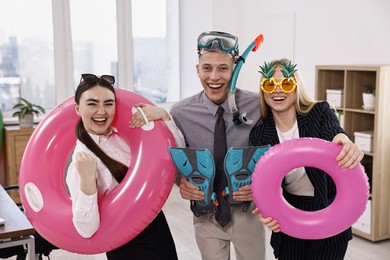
(219, 41)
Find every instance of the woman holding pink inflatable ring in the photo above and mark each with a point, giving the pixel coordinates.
(287, 113)
(100, 161)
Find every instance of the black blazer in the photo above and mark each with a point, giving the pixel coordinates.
(320, 122)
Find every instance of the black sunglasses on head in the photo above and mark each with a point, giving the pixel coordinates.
(91, 78)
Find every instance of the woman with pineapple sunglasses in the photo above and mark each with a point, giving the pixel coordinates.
(288, 112)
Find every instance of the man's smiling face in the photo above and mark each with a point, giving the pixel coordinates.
(215, 71)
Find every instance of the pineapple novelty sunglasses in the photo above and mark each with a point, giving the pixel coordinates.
(269, 85)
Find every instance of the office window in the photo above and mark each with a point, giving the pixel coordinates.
(94, 37)
(156, 49)
(44, 66)
(26, 53)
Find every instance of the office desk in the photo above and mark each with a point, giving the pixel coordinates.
(17, 230)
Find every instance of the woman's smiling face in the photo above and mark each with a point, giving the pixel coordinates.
(278, 100)
(97, 109)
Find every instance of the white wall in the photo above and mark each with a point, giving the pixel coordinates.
(309, 32)
(195, 17)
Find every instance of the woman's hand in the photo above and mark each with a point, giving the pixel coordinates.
(350, 156)
(86, 166)
(244, 193)
(271, 223)
(189, 191)
(151, 113)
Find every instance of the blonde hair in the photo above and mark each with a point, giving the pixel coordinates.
(304, 102)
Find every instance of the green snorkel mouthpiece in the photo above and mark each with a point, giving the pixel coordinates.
(237, 117)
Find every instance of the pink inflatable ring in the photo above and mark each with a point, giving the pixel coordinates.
(351, 184)
(127, 210)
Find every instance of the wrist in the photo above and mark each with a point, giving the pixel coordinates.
(166, 117)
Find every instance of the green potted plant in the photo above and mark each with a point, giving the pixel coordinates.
(369, 97)
(26, 111)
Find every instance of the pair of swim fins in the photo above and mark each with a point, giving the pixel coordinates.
(197, 166)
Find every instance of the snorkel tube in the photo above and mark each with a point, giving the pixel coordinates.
(237, 118)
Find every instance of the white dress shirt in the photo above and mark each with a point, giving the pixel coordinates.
(297, 181)
(86, 218)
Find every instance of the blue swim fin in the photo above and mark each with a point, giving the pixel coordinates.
(197, 166)
(239, 165)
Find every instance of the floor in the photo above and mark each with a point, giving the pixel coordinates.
(179, 217)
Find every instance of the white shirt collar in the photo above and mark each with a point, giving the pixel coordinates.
(98, 138)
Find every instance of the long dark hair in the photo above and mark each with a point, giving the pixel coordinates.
(117, 169)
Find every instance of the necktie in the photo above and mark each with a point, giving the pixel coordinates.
(222, 214)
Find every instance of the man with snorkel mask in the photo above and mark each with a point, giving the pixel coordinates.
(219, 221)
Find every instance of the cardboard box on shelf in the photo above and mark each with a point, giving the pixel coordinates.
(335, 97)
(365, 140)
(364, 222)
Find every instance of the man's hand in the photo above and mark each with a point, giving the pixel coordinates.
(244, 193)
(189, 191)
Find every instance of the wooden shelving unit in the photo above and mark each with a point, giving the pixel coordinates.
(15, 142)
(352, 79)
